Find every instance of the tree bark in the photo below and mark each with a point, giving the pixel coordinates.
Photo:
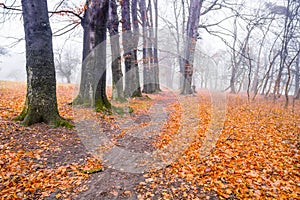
(41, 101)
(131, 88)
(149, 71)
(117, 75)
(190, 45)
(83, 96)
(93, 81)
(297, 77)
(146, 66)
(155, 49)
(135, 67)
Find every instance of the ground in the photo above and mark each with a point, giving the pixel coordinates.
(254, 153)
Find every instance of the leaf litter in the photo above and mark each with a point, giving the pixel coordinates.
(256, 154)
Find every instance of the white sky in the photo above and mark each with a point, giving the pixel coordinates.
(13, 66)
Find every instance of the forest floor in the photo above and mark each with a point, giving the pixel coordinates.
(162, 146)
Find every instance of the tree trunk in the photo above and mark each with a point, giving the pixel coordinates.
(297, 77)
(155, 49)
(190, 44)
(117, 74)
(93, 81)
(83, 95)
(146, 67)
(68, 79)
(131, 88)
(149, 71)
(135, 66)
(99, 23)
(41, 102)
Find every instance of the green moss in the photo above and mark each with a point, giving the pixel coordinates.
(81, 101)
(130, 110)
(118, 110)
(63, 123)
(121, 100)
(23, 114)
(103, 106)
(92, 171)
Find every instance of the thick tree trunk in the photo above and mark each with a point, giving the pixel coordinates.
(41, 102)
(100, 17)
(117, 75)
(131, 87)
(93, 81)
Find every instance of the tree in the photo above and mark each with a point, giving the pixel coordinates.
(148, 72)
(132, 88)
(3, 51)
(41, 102)
(190, 44)
(66, 63)
(136, 35)
(117, 75)
(92, 90)
(150, 47)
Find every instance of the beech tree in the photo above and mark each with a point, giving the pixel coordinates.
(41, 102)
(132, 87)
(117, 75)
(150, 47)
(66, 62)
(190, 44)
(92, 90)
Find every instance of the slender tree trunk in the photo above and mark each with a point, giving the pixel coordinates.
(284, 51)
(117, 74)
(146, 66)
(190, 44)
(155, 48)
(68, 79)
(41, 102)
(232, 80)
(135, 66)
(150, 73)
(83, 95)
(297, 78)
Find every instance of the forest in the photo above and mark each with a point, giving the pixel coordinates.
(187, 99)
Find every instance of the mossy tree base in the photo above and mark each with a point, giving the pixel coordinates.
(29, 117)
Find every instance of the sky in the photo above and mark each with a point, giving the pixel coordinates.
(11, 30)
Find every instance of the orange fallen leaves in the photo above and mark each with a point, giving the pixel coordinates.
(256, 156)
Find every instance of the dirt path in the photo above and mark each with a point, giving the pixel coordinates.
(122, 174)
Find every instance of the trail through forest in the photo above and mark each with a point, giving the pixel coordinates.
(254, 155)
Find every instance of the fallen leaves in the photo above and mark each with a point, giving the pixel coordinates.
(255, 157)
(39, 161)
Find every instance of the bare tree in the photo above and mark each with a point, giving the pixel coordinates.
(41, 102)
(93, 78)
(132, 88)
(117, 75)
(190, 44)
(66, 62)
